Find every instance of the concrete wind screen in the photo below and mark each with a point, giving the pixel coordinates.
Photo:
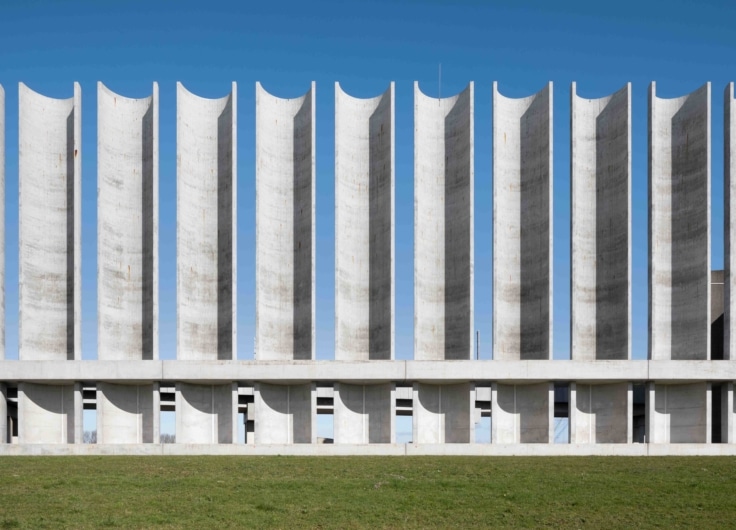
(601, 225)
(127, 414)
(364, 226)
(443, 225)
(285, 236)
(127, 220)
(679, 226)
(522, 226)
(49, 180)
(364, 413)
(729, 218)
(206, 237)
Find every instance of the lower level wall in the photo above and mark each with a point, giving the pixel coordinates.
(127, 414)
(285, 414)
(206, 414)
(364, 413)
(49, 414)
(522, 413)
(443, 413)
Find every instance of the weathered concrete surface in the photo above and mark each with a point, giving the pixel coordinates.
(3, 413)
(364, 413)
(522, 413)
(126, 414)
(285, 414)
(522, 226)
(443, 413)
(729, 258)
(285, 235)
(728, 414)
(206, 414)
(601, 413)
(2, 233)
(679, 225)
(49, 414)
(443, 225)
(206, 235)
(364, 226)
(601, 225)
(678, 413)
(127, 226)
(49, 182)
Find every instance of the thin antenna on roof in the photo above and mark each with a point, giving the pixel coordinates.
(439, 83)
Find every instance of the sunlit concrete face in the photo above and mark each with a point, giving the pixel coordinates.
(601, 226)
(127, 220)
(2, 235)
(206, 236)
(206, 414)
(285, 414)
(126, 414)
(522, 413)
(678, 413)
(600, 413)
(443, 413)
(285, 259)
(49, 414)
(364, 226)
(729, 178)
(49, 179)
(364, 413)
(443, 225)
(679, 226)
(522, 226)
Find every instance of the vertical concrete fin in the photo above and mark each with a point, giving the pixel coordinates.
(364, 226)
(600, 160)
(729, 177)
(127, 221)
(2, 231)
(49, 169)
(443, 225)
(285, 209)
(679, 228)
(206, 218)
(522, 226)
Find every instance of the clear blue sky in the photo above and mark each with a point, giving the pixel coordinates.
(285, 45)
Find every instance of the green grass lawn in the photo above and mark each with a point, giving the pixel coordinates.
(366, 492)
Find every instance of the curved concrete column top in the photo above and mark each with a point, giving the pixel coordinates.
(729, 177)
(127, 220)
(601, 225)
(443, 225)
(679, 226)
(364, 226)
(285, 237)
(522, 226)
(206, 140)
(50, 170)
(2, 223)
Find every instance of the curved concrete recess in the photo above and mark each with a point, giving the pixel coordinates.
(285, 243)
(206, 237)
(127, 226)
(443, 225)
(522, 226)
(364, 226)
(729, 178)
(679, 226)
(600, 151)
(49, 175)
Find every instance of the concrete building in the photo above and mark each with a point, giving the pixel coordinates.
(729, 209)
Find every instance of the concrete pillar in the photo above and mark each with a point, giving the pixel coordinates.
(600, 413)
(729, 258)
(204, 414)
(728, 425)
(443, 413)
(443, 225)
(206, 251)
(156, 423)
(364, 413)
(49, 175)
(679, 226)
(125, 414)
(679, 413)
(522, 226)
(364, 226)
(48, 414)
(4, 437)
(285, 414)
(601, 226)
(285, 259)
(522, 413)
(2, 233)
(127, 226)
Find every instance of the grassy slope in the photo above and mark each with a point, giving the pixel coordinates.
(354, 492)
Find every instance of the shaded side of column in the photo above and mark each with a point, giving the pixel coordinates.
(125, 414)
(443, 413)
(285, 234)
(443, 225)
(364, 413)
(522, 226)
(601, 226)
(729, 259)
(679, 226)
(127, 221)
(49, 167)
(206, 237)
(364, 226)
(285, 414)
